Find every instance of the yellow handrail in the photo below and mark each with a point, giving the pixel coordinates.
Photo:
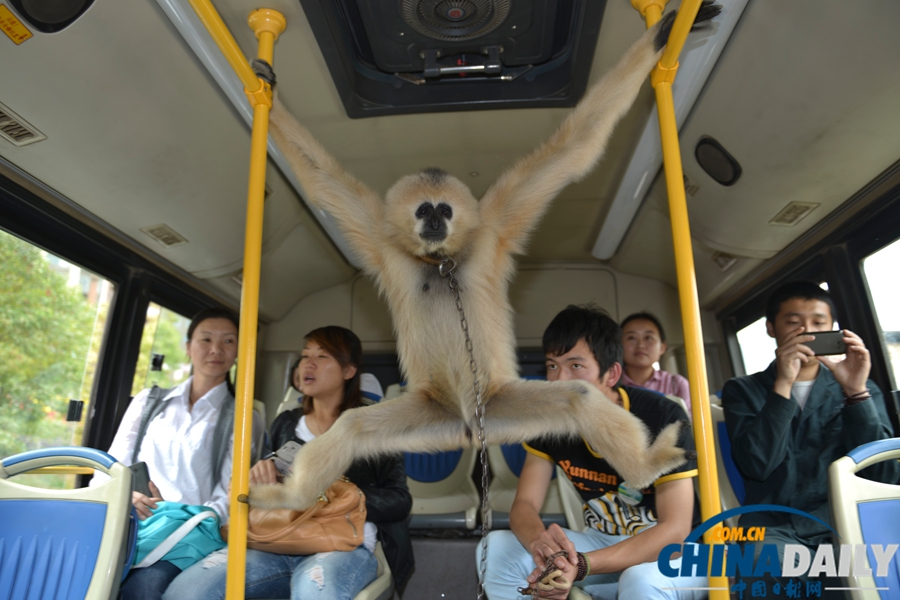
(661, 78)
(268, 25)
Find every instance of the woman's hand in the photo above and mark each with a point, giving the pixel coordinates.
(144, 505)
(264, 472)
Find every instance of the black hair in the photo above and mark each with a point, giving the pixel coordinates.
(591, 324)
(215, 313)
(647, 317)
(805, 290)
(294, 366)
(211, 313)
(345, 347)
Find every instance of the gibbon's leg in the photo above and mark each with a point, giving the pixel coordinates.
(411, 423)
(523, 410)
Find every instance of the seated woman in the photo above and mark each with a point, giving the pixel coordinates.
(177, 444)
(330, 382)
(644, 343)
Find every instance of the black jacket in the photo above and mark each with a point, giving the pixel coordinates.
(388, 501)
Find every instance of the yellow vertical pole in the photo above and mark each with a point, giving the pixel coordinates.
(662, 78)
(268, 25)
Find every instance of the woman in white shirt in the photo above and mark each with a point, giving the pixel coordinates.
(178, 442)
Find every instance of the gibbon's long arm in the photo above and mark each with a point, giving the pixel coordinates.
(358, 210)
(520, 197)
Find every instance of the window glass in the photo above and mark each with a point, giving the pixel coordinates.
(880, 270)
(757, 348)
(52, 320)
(163, 360)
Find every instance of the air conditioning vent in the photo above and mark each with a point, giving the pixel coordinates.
(417, 56)
(165, 235)
(16, 130)
(723, 261)
(791, 214)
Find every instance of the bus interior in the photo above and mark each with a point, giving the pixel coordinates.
(123, 166)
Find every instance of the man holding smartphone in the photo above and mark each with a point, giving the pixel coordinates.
(787, 424)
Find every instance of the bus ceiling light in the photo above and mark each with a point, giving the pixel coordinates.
(696, 63)
(194, 33)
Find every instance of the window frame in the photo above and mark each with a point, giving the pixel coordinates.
(66, 230)
(831, 251)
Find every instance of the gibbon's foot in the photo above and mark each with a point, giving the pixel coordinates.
(267, 496)
(708, 10)
(524, 410)
(263, 70)
(279, 495)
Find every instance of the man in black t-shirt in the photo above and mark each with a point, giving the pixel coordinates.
(626, 527)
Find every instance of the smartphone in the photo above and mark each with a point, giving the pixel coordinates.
(284, 457)
(140, 478)
(827, 342)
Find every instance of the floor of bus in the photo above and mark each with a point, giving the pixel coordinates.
(445, 567)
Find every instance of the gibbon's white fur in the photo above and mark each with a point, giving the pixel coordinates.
(432, 214)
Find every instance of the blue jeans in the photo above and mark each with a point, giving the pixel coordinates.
(148, 583)
(323, 576)
(508, 564)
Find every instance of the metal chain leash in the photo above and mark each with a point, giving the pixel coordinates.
(447, 268)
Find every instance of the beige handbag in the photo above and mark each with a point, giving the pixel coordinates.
(335, 522)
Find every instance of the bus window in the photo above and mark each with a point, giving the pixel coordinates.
(757, 348)
(52, 320)
(881, 275)
(163, 360)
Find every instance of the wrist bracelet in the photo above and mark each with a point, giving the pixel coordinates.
(584, 567)
(856, 399)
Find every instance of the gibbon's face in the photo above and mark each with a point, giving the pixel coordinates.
(431, 213)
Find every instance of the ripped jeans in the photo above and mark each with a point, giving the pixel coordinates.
(323, 576)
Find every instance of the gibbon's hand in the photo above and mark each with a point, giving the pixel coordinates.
(853, 371)
(144, 504)
(264, 71)
(708, 10)
(552, 540)
(264, 472)
(791, 356)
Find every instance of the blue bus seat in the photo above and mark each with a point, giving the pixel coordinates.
(506, 464)
(731, 483)
(65, 544)
(444, 495)
(867, 512)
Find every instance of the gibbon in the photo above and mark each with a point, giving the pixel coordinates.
(432, 216)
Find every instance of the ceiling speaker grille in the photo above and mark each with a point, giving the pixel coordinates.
(454, 20)
(165, 235)
(16, 130)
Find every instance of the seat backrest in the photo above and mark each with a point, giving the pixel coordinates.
(290, 401)
(371, 387)
(865, 512)
(573, 504)
(84, 551)
(731, 483)
(439, 466)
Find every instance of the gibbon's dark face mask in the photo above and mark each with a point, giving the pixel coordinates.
(434, 220)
